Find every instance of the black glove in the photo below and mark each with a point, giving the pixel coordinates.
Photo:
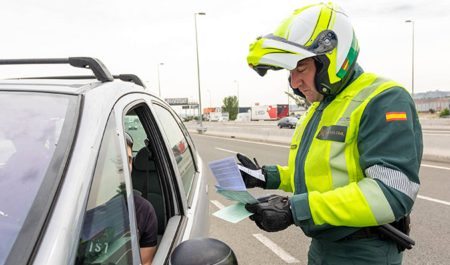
(272, 215)
(250, 181)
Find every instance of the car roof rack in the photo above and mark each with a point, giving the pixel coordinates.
(130, 78)
(98, 68)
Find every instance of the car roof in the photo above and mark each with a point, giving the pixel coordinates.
(70, 84)
(66, 86)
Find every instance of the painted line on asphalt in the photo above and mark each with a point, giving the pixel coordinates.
(433, 200)
(226, 150)
(217, 204)
(276, 249)
(438, 167)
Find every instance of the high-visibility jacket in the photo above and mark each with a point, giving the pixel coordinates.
(354, 160)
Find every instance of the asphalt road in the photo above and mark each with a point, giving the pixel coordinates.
(430, 217)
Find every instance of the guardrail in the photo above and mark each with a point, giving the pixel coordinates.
(436, 145)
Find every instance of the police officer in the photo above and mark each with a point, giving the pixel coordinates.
(355, 155)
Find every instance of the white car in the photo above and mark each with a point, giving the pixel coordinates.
(66, 189)
(288, 122)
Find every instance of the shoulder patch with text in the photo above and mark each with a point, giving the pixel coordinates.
(396, 116)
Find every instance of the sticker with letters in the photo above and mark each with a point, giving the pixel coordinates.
(333, 133)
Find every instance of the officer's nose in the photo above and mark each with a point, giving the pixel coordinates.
(295, 79)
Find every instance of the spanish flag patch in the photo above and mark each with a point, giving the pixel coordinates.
(396, 116)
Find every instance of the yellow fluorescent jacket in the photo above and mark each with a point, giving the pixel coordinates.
(339, 194)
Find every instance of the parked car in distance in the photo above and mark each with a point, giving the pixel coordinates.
(67, 192)
(287, 122)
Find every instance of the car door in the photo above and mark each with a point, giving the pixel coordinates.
(110, 218)
(108, 233)
(173, 183)
(155, 174)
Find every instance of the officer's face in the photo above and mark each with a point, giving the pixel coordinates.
(302, 77)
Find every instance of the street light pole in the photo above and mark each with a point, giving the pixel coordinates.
(412, 51)
(159, 84)
(198, 73)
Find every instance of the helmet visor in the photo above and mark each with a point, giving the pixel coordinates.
(275, 53)
(325, 42)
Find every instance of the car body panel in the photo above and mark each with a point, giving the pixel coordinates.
(59, 241)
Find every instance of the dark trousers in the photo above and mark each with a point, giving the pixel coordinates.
(363, 251)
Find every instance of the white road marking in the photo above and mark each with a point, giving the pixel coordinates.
(432, 200)
(276, 249)
(426, 165)
(218, 204)
(226, 150)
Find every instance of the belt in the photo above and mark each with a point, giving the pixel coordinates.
(365, 232)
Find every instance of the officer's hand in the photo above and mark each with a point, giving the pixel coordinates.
(250, 181)
(273, 215)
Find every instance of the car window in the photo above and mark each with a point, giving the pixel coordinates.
(105, 237)
(134, 127)
(179, 146)
(31, 129)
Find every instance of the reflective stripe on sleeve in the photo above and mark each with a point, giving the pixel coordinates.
(394, 179)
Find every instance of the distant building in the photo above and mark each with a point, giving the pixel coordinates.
(432, 100)
(244, 109)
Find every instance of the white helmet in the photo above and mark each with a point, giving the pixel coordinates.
(322, 31)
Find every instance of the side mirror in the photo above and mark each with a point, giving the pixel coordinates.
(202, 251)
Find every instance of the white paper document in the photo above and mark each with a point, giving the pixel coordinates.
(227, 174)
(231, 186)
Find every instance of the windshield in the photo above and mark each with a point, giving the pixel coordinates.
(30, 128)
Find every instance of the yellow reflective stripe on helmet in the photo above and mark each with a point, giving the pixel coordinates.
(283, 29)
(323, 22)
(332, 67)
(257, 51)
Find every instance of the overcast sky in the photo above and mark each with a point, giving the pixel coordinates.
(134, 36)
